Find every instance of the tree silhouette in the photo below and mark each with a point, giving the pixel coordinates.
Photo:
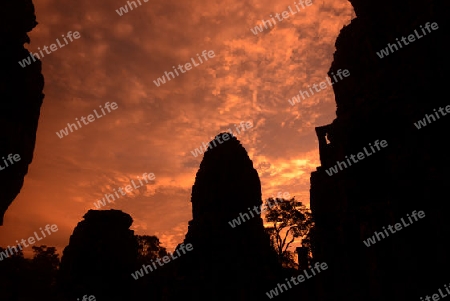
(46, 257)
(152, 285)
(291, 219)
(149, 248)
(12, 272)
(38, 275)
(43, 270)
(46, 261)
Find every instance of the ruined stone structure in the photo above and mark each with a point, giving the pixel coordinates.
(20, 95)
(382, 99)
(226, 263)
(100, 257)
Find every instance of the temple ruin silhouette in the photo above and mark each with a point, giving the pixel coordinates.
(21, 96)
(101, 253)
(227, 263)
(381, 100)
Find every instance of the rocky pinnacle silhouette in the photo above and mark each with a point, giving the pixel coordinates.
(21, 96)
(233, 261)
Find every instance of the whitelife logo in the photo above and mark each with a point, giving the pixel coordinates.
(64, 132)
(110, 197)
(225, 137)
(371, 240)
(274, 292)
(188, 66)
(30, 240)
(258, 210)
(323, 86)
(16, 158)
(85, 298)
(436, 296)
(124, 9)
(411, 38)
(423, 123)
(27, 61)
(285, 15)
(166, 259)
(334, 169)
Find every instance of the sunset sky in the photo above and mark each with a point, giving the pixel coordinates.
(154, 129)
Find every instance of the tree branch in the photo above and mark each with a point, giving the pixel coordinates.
(287, 234)
(289, 243)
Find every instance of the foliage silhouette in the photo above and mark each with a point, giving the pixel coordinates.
(149, 248)
(38, 275)
(290, 220)
(45, 264)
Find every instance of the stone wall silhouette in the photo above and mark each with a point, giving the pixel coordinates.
(21, 96)
(382, 99)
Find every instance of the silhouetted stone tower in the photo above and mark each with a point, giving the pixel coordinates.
(100, 257)
(227, 263)
(20, 95)
(382, 99)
